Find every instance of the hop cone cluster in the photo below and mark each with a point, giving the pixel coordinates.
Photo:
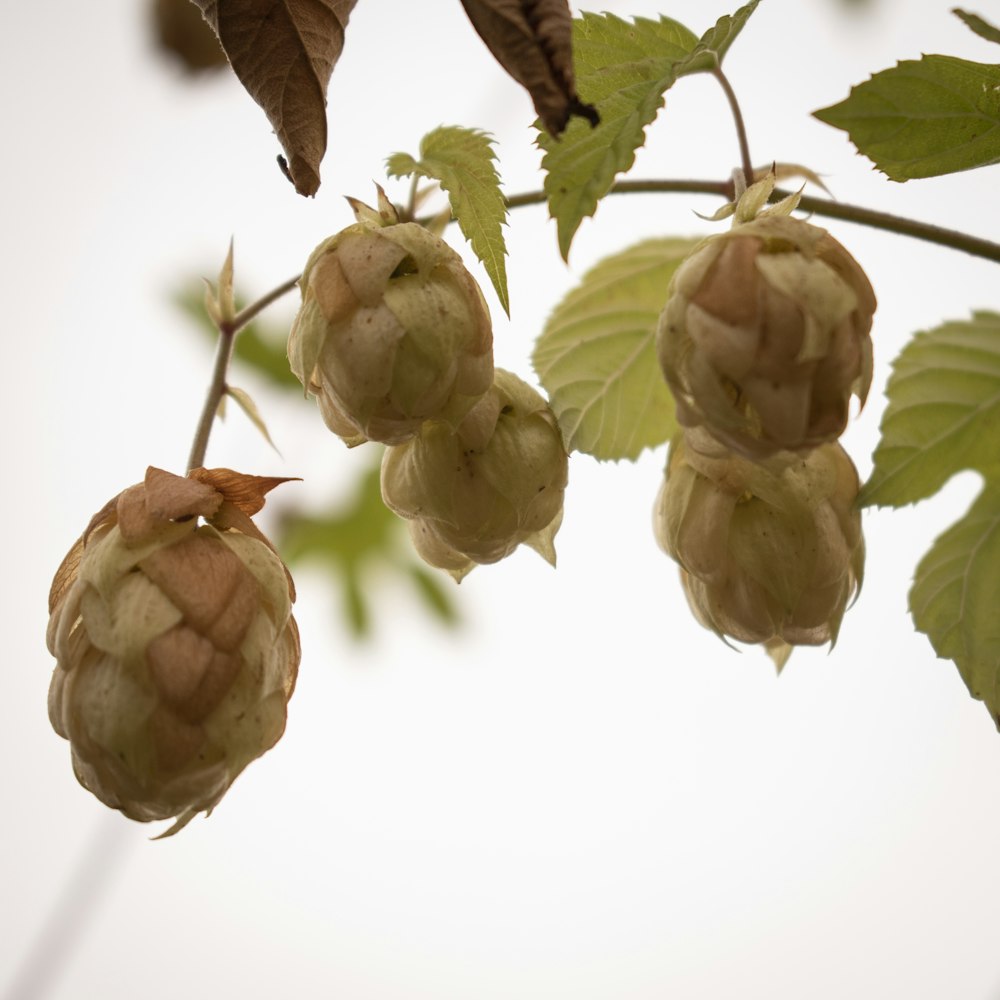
(394, 339)
(763, 341)
(176, 651)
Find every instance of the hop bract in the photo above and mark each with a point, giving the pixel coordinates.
(765, 336)
(393, 330)
(176, 652)
(771, 552)
(472, 495)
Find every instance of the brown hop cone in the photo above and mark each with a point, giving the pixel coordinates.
(393, 330)
(472, 495)
(765, 336)
(176, 651)
(770, 552)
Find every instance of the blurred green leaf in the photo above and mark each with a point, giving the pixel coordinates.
(954, 596)
(922, 118)
(358, 542)
(597, 359)
(943, 414)
(262, 348)
(982, 28)
(462, 160)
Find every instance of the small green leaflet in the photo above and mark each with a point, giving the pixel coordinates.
(461, 160)
(936, 115)
(358, 544)
(982, 28)
(943, 414)
(624, 69)
(714, 44)
(953, 599)
(249, 407)
(596, 356)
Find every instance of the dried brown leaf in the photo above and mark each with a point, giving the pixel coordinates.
(283, 52)
(182, 33)
(532, 40)
(66, 574)
(171, 497)
(243, 491)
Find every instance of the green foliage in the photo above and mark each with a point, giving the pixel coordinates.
(936, 115)
(355, 543)
(263, 348)
(943, 412)
(982, 28)
(954, 596)
(461, 160)
(596, 356)
(624, 69)
(715, 43)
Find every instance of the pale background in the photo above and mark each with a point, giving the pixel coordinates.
(580, 793)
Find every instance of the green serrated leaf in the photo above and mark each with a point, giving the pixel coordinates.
(249, 407)
(401, 165)
(596, 356)
(623, 69)
(953, 599)
(714, 44)
(982, 28)
(462, 161)
(943, 414)
(936, 115)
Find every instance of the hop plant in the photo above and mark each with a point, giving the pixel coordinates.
(765, 334)
(176, 651)
(472, 495)
(771, 552)
(392, 331)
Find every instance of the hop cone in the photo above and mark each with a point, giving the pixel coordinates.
(176, 652)
(770, 552)
(393, 330)
(472, 495)
(765, 336)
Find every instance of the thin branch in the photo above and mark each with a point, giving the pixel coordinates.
(818, 206)
(218, 386)
(741, 131)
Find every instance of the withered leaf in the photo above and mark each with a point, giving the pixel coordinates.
(245, 492)
(283, 52)
(171, 497)
(532, 40)
(66, 574)
(182, 33)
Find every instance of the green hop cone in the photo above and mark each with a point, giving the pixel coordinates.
(392, 331)
(771, 552)
(765, 336)
(176, 651)
(473, 494)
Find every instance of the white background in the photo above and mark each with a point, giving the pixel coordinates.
(580, 793)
